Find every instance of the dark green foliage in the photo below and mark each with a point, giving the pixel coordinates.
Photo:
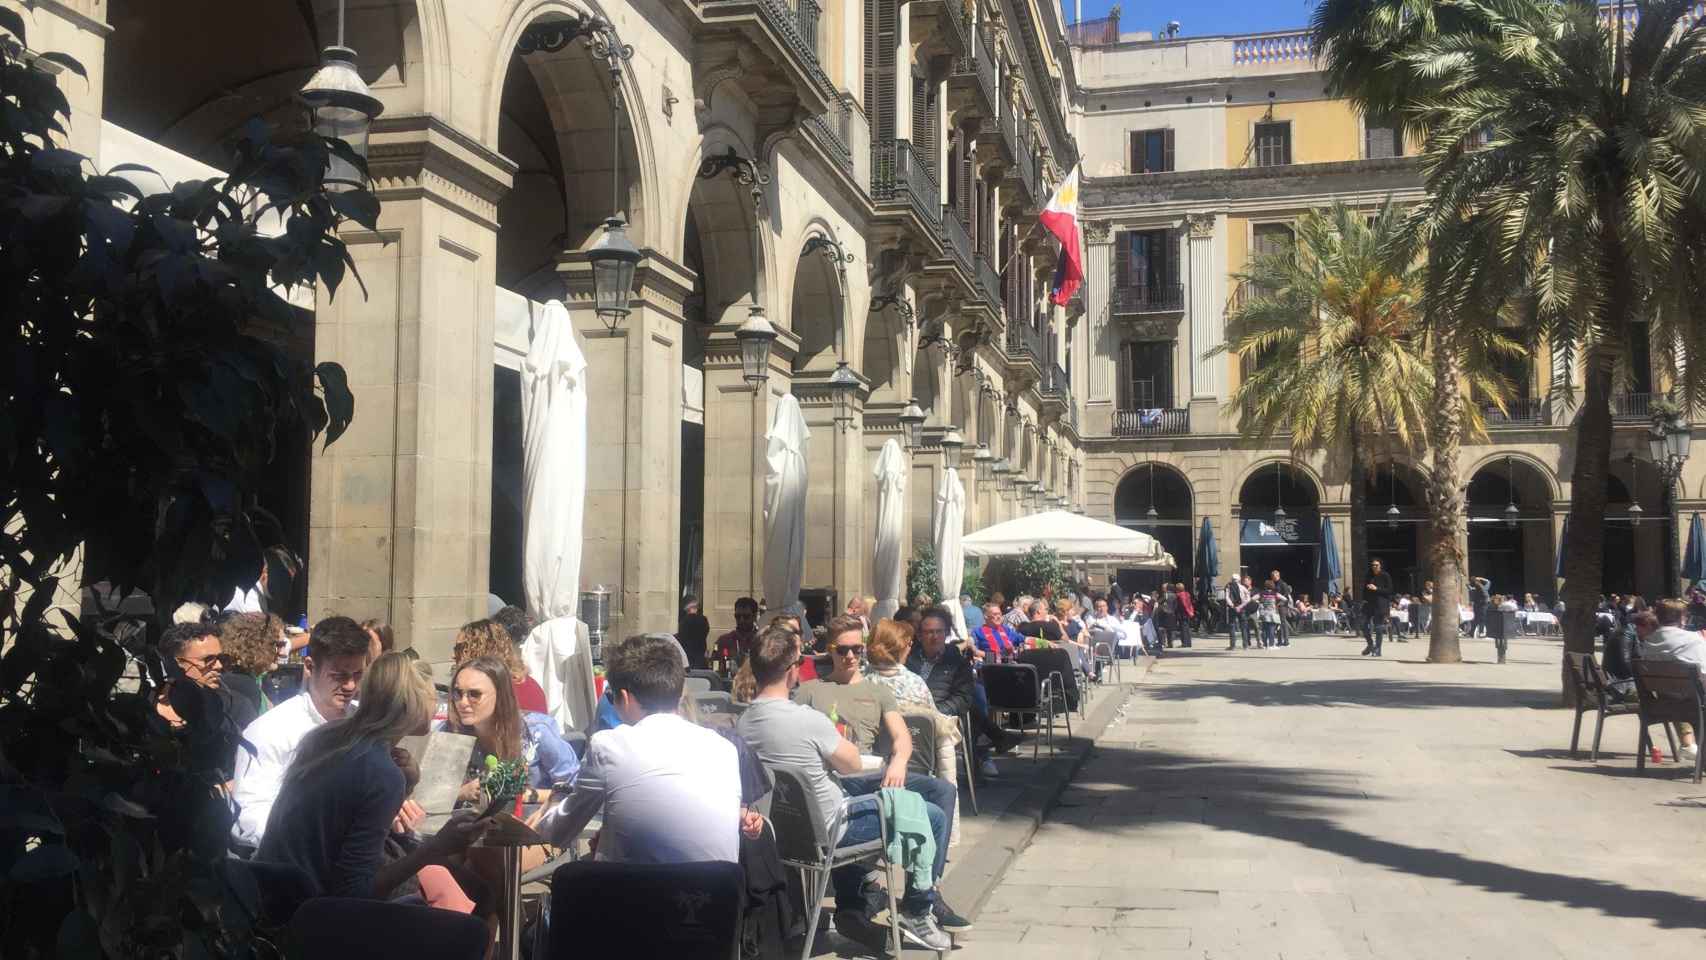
(140, 405)
(923, 576)
(1038, 567)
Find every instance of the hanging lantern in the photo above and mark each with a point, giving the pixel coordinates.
(613, 259)
(843, 390)
(340, 107)
(912, 425)
(952, 443)
(755, 337)
(1392, 517)
(982, 460)
(1512, 515)
(1635, 514)
(1279, 514)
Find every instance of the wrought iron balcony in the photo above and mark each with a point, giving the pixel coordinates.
(787, 36)
(988, 281)
(979, 72)
(830, 131)
(1633, 407)
(1024, 343)
(1174, 422)
(1149, 298)
(1518, 412)
(1055, 383)
(899, 175)
(956, 239)
(807, 13)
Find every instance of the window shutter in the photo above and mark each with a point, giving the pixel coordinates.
(963, 175)
(1136, 151)
(1170, 270)
(1167, 149)
(924, 120)
(1122, 259)
(881, 30)
(1122, 379)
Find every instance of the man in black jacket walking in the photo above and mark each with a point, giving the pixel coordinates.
(1237, 618)
(1376, 608)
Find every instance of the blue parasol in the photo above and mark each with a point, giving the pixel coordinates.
(1208, 558)
(1328, 567)
(1694, 558)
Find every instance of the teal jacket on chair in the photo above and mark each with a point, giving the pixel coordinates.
(912, 845)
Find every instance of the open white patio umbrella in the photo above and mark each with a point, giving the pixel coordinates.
(553, 497)
(785, 506)
(886, 566)
(950, 554)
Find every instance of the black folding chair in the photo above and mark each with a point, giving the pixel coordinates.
(1594, 692)
(1016, 691)
(1669, 692)
(383, 930)
(1060, 681)
(967, 757)
(685, 911)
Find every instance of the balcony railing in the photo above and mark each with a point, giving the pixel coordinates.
(830, 129)
(1633, 407)
(981, 66)
(808, 13)
(897, 173)
(1275, 48)
(988, 282)
(1054, 382)
(1027, 157)
(1023, 343)
(956, 239)
(1152, 423)
(1518, 412)
(954, 27)
(1152, 298)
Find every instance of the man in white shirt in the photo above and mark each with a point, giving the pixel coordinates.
(1671, 643)
(670, 790)
(336, 660)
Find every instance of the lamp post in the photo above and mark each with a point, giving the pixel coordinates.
(613, 259)
(912, 425)
(952, 443)
(1667, 442)
(982, 460)
(341, 107)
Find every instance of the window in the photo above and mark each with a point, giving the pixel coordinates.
(1146, 272)
(1147, 375)
(1269, 239)
(1151, 151)
(1382, 138)
(1273, 144)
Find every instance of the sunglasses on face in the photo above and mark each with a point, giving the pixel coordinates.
(857, 651)
(472, 696)
(204, 664)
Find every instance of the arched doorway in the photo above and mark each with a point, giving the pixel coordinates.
(816, 315)
(1510, 528)
(1279, 510)
(1397, 525)
(1156, 499)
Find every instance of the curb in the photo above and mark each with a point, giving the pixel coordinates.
(976, 875)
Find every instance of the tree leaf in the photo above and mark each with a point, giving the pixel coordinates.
(12, 23)
(340, 403)
(67, 61)
(357, 205)
(50, 861)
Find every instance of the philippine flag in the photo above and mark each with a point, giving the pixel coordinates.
(1060, 218)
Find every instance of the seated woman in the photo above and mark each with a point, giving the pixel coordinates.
(885, 653)
(252, 642)
(488, 638)
(345, 787)
(483, 705)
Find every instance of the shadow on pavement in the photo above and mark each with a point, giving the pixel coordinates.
(1298, 805)
(1358, 691)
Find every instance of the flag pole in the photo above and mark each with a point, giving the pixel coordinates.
(1016, 251)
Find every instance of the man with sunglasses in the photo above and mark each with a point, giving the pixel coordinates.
(193, 656)
(784, 732)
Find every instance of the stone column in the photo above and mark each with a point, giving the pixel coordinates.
(400, 507)
(1207, 326)
(835, 505)
(632, 527)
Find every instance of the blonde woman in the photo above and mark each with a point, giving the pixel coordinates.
(346, 785)
(885, 653)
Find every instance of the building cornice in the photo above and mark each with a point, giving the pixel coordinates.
(1252, 187)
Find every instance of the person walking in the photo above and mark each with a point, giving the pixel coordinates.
(1479, 596)
(1377, 608)
(1240, 604)
(1270, 601)
(1284, 590)
(1184, 611)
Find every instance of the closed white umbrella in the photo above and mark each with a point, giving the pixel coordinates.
(785, 506)
(950, 555)
(553, 492)
(886, 567)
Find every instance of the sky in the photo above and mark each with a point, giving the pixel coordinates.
(1202, 17)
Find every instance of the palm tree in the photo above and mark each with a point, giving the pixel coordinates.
(1566, 150)
(1333, 337)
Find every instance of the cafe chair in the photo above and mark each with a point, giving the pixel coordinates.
(1017, 692)
(684, 911)
(1594, 692)
(383, 930)
(1668, 692)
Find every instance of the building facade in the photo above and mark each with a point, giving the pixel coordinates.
(1200, 152)
(865, 174)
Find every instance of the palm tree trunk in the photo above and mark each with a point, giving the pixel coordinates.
(1445, 505)
(1358, 573)
(1584, 561)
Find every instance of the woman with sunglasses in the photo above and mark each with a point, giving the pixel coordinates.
(483, 705)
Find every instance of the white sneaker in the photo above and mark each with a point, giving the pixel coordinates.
(1688, 753)
(987, 767)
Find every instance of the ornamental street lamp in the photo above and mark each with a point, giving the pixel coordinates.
(982, 460)
(952, 443)
(843, 388)
(755, 337)
(341, 107)
(912, 425)
(1668, 441)
(613, 259)
(1512, 514)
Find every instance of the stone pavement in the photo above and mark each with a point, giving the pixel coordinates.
(1305, 802)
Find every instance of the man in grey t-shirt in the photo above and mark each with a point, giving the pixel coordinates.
(783, 733)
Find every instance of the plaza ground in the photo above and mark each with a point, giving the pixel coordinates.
(1306, 802)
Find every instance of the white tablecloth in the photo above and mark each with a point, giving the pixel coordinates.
(1536, 616)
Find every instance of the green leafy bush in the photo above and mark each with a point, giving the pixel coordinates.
(923, 575)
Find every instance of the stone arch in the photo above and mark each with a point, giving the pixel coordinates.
(817, 303)
(1554, 492)
(1296, 467)
(734, 269)
(1168, 489)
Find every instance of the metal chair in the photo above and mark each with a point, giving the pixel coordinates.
(967, 755)
(716, 702)
(1668, 692)
(695, 686)
(1594, 692)
(715, 679)
(806, 836)
(1059, 680)
(1016, 690)
(686, 910)
(1102, 645)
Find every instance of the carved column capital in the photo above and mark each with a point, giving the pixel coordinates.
(1098, 231)
(1199, 225)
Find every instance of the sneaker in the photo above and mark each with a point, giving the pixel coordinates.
(987, 768)
(1367, 651)
(860, 929)
(947, 919)
(1688, 752)
(922, 931)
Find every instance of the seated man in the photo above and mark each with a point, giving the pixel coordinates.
(952, 683)
(1671, 643)
(732, 646)
(332, 671)
(995, 641)
(785, 733)
(670, 790)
